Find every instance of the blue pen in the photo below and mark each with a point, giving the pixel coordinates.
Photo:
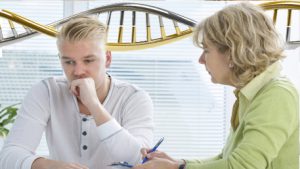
(153, 149)
(122, 163)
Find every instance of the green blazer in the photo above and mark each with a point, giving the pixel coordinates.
(267, 136)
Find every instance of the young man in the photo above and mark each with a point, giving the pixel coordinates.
(88, 116)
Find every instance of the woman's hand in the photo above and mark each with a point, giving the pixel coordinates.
(158, 154)
(157, 160)
(158, 163)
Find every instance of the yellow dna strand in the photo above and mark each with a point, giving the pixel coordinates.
(132, 11)
(154, 18)
(290, 10)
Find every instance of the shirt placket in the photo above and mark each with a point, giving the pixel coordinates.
(84, 147)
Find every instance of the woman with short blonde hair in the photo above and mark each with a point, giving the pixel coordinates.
(242, 49)
(247, 34)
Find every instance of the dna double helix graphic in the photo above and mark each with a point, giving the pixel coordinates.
(153, 17)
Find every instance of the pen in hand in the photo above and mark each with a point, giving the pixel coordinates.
(153, 149)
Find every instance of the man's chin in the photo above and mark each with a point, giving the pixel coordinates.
(213, 80)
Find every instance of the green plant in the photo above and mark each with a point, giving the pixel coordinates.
(7, 116)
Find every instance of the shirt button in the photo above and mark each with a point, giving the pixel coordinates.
(84, 147)
(84, 119)
(84, 133)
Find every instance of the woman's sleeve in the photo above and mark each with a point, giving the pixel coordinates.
(201, 161)
(269, 123)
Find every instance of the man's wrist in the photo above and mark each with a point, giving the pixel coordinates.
(182, 164)
(44, 163)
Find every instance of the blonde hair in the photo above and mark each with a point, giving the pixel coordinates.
(247, 35)
(83, 28)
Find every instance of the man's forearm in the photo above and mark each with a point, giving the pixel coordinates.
(99, 113)
(43, 163)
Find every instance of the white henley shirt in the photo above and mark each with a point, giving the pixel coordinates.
(74, 137)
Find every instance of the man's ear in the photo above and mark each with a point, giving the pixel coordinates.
(108, 59)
